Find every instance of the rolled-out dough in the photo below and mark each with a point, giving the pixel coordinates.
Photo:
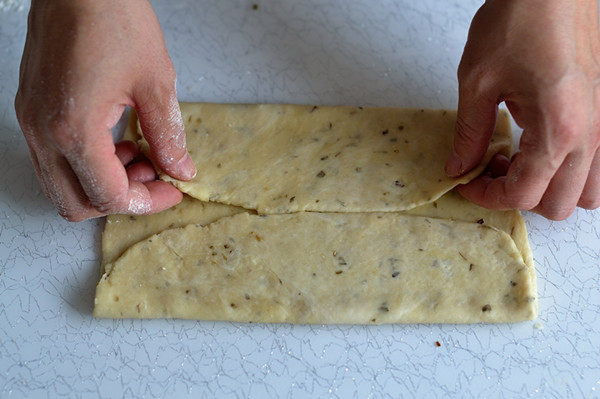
(270, 149)
(322, 268)
(289, 158)
(122, 231)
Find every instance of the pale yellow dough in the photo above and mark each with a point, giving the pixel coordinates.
(270, 149)
(322, 268)
(122, 231)
(289, 158)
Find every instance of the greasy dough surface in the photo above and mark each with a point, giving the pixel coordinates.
(322, 268)
(122, 231)
(289, 158)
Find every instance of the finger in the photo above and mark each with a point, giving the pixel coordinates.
(162, 126)
(63, 189)
(590, 197)
(565, 188)
(163, 194)
(104, 180)
(498, 165)
(141, 171)
(475, 122)
(522, 188)
(126, 151)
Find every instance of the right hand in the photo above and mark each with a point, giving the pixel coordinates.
(541, 58)
(84, 61)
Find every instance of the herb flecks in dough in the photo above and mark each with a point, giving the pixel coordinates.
(319, 268)
(272, 149)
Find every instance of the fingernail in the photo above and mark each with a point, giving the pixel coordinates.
(186, 168)
(454, 165)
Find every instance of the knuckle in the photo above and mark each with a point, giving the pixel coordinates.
(164, 86)
(25, 117)
(63, 132)
(110, 205)
(589, 203)
(554, 211)
(475, 78)
(170, 76)
(567, 133)
(557, 214)
(72, 215)
(516, 199)
(568, 124)
(464, 131)
(521, 203)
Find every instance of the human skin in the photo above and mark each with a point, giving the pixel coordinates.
(541, 58)
(84, 61)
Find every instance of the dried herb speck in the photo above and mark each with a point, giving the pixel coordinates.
(395, 274)
(324, 157)
(480, 221)
(470, 267)
(384, 307)
(398, 184)
(386, 131)
(486, 308)
(321, 174)
(339, 271)
(314, 108)
(292, 199)
(512, 283)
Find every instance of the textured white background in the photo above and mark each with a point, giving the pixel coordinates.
(370, 52)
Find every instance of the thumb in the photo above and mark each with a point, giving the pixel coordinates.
(475, 123)
(160, 119)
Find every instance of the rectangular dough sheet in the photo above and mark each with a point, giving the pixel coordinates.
(308, 267)
(128, 266)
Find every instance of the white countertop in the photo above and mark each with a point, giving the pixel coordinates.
(377, 52)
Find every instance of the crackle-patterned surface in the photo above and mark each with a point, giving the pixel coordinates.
(368, 52)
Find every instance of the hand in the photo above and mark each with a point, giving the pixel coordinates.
(541, 58)
(83, 62)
